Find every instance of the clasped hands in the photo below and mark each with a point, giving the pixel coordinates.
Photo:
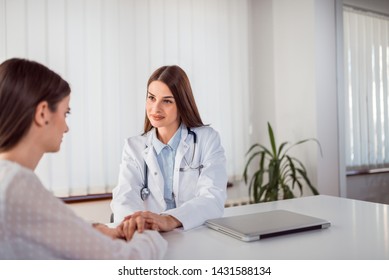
(140, 221)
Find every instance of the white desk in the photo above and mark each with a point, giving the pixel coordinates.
(359, 230)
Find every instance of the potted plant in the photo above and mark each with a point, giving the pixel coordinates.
(278, 173)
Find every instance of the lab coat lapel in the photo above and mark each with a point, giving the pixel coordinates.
(156, 182)
(181, 151)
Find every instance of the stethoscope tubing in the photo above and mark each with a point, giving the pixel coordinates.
(145, 191)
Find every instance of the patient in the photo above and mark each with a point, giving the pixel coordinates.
(34, 102)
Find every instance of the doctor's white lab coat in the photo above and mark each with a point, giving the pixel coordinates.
(199, 193)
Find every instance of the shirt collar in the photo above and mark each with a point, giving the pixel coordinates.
(173, 142)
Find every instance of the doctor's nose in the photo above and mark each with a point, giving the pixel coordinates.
(156, 107)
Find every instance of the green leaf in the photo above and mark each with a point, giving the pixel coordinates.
(281, 147)
(272, 140)
(277, 174)
(254, 155)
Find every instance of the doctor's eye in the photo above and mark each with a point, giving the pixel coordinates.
(150, 97)
(168, 101)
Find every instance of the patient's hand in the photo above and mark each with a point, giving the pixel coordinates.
(142, 220)
(111, 232)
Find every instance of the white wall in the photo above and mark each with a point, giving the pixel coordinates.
(294, 81)
(95, 211)
(330, 166)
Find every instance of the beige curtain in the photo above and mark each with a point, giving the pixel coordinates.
(366, 54)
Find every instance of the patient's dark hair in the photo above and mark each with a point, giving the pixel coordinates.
(23, 85)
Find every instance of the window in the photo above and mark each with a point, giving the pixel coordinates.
(366, 54)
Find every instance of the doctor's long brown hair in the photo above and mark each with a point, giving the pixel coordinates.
(178, 83)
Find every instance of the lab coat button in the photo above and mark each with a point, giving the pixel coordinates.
(155, 173)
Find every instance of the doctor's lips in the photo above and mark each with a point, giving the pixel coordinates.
(157, 117)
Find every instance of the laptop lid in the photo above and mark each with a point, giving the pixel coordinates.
(256, 226)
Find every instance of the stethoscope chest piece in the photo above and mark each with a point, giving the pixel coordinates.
(144, 193)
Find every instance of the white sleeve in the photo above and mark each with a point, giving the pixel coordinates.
(126, 195)
(43, 227)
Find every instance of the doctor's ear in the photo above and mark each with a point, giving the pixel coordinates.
(42, 114)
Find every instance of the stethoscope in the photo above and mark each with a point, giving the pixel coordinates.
(145, 191)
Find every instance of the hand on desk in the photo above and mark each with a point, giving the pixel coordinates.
(142, 220)
(114, 233)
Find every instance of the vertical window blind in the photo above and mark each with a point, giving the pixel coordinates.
(366, 54)
(107, 49)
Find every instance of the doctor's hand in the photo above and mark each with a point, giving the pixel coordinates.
(132, 223)
(161, 222)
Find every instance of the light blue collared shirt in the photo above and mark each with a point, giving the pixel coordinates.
(166, 155)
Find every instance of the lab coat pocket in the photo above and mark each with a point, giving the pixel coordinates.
(188, 184)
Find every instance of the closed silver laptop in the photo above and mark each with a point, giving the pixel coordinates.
(250, 227)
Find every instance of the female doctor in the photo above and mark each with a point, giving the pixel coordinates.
(174, 174)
